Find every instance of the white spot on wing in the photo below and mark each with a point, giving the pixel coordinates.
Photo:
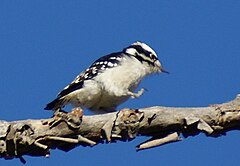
(118, 59)
(94, 68)
(86, 76)
(77, 81)
(110, 64)
(103, 67)
(94, 71)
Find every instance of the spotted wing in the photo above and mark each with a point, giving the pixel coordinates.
(96, 68)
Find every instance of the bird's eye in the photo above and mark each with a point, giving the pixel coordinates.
(151, 56)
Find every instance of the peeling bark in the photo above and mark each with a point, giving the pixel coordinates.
(163, 125)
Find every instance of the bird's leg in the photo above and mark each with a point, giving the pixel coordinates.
(136, 95)
(56, 111)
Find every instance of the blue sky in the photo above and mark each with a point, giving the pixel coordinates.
(45, 44)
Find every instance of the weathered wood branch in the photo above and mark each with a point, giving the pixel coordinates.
(162, 124)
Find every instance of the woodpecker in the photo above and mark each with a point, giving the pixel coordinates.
(110, 80)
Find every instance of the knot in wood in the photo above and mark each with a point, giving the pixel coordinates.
(127, 123)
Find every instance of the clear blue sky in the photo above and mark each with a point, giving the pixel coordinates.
(45, 44)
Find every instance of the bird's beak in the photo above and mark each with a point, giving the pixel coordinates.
(159, 67)
(163, 71)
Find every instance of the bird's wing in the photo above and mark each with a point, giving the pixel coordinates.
(96, 68)
(101, 64)
(76, 84)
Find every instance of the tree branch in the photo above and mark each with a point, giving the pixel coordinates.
(163, 125)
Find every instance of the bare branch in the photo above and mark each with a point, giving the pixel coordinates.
(164, 125)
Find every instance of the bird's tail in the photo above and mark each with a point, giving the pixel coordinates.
(55, 104)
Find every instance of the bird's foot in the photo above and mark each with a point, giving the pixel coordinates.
(136, 95)
(73, 118)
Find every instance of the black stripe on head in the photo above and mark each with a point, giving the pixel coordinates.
(141, 50)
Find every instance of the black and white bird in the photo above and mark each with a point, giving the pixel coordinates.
(110, 80)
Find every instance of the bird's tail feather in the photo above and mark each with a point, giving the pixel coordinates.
(55, 104)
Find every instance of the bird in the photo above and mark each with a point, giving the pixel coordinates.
(110, 80)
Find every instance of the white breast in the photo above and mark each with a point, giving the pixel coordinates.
(118, 80)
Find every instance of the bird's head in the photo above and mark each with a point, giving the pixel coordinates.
(145, 54)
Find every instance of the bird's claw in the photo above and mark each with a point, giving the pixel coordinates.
(138, 94)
